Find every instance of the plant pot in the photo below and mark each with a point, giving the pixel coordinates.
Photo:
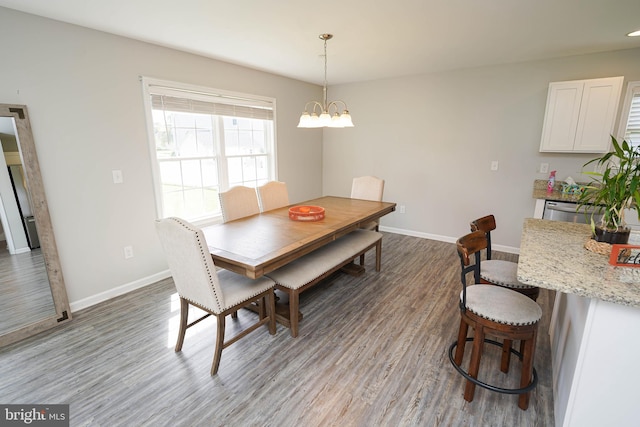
(619, 236)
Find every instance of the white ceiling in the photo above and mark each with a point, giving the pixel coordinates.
(373, 39)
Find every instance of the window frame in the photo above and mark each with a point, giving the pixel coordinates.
(172, 88)
(633, 89)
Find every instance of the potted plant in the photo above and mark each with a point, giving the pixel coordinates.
(615, 187)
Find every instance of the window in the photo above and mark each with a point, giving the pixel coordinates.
(204, 141)
(630, 118)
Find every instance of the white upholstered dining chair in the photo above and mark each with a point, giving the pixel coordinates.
(218, 293)
(273, 195)
(238, 202)
(368, 188)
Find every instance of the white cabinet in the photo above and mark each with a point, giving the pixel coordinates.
(580, 115)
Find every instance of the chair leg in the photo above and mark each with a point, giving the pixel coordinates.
(378, 255)
(506, 356)
(462, 339)
(527, 370)
(219, 344)
(362, 259)
(184, 315)
(474, 365)
(261, 309)
(234, 315)
(270, 302)
(294, 298)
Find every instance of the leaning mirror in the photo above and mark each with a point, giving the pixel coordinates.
(33, 297)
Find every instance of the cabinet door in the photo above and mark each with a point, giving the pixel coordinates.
(600, 99)
(561, 116)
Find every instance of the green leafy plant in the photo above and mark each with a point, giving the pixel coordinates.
(615, 185)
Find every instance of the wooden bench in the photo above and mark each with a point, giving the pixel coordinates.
(307, 271)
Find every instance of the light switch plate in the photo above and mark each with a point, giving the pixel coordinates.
(544, 167)
(117, 176)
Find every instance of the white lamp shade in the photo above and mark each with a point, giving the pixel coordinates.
(314, 121)
(335, 121)
(305, 120)
(325, 119)
(345, 119)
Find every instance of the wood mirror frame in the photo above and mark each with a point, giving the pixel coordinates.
(45, 230)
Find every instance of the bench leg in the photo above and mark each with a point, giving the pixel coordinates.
(294, 298)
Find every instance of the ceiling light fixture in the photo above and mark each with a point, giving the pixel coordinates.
(329, 112)
(634, 33)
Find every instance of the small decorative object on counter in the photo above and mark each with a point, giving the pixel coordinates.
(570, 187)
(552, 182)
(625, 256)
(602, 248)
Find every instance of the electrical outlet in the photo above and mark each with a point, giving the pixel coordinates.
(403, 209)
(128, 252)
(544, 167)
(117, 176)
(494, 165)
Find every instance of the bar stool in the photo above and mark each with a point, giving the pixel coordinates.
(498, 312)
(499, 272)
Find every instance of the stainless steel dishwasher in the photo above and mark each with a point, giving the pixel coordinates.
(568, 212)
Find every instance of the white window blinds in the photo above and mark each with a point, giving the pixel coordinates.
(171, 103)
(211, 102)
(632, 133)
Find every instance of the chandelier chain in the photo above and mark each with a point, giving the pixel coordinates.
(324, 90)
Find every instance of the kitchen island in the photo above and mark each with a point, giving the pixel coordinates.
(595, 324)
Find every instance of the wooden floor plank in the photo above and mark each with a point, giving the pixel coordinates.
(372, 351)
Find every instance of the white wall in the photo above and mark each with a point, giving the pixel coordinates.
(432, 138)
(83, 94)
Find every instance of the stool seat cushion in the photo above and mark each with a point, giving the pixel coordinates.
(502, 273)
(502, 305)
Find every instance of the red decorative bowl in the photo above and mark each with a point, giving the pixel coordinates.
(306, 213)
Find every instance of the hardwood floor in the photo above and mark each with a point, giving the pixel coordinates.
(25, 294)
(372, 351)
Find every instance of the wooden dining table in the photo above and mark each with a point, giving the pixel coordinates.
(258, 244)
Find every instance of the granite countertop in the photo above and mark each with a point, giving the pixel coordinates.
(540, 192)
(552, 256)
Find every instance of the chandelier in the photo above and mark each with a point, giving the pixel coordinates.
(330, 114)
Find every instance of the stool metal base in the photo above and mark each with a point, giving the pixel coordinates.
(528, 388)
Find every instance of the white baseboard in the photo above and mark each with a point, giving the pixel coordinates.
(112, 293)
(448, 239)
(24, 250)
(418, 234)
